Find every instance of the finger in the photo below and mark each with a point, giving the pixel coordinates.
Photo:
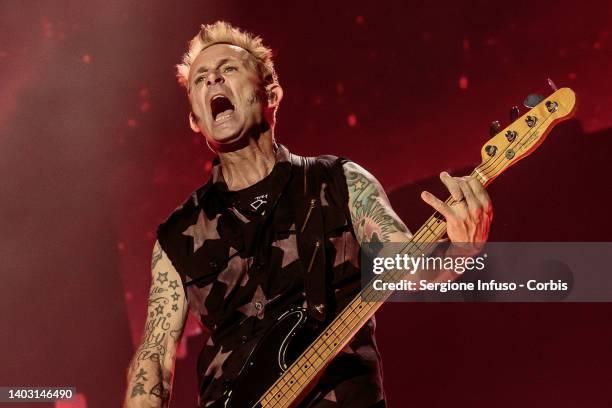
(481, 193)
(452, 185)
(438, 205)
(473, 204)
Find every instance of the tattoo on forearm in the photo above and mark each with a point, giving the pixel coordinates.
(373, 219)
(159, 391)
(138, 389)
(164, 304)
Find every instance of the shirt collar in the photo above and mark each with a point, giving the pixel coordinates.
(282, 172)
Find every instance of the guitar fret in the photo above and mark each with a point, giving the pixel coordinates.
(282, 388)
(346, 322)
(341, 326)
(318, 354)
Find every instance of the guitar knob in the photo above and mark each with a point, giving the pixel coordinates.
(494, 128)
(514, 113)
(532, 100)
(531, 121)
(491, 150)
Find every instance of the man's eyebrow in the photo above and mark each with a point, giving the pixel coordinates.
(204, 68)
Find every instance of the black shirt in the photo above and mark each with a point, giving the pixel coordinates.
(238, 257)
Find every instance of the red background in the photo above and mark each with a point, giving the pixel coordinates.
(95, 151)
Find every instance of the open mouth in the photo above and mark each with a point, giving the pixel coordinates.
(221, 108)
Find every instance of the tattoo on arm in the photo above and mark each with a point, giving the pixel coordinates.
(163, 327)
(373, 218)
(157, 255)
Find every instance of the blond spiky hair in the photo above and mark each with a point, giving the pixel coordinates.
(222, 32)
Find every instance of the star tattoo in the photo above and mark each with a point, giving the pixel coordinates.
(175, 296)
(173, 284)
(159, 309)
(175, 307)
(162, 277)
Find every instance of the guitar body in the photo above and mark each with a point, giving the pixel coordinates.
(276, 351)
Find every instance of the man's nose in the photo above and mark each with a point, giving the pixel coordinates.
(214, 78)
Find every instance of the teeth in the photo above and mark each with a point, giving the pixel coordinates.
(221, 117)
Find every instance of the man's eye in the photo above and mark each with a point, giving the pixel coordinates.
(198, 79)
(230, 68)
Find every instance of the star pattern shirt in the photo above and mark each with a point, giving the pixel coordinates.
(241, 269)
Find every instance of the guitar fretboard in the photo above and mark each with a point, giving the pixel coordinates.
(509, 146)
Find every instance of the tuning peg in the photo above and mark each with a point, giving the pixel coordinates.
(514, 113)
(552, 85)
(494, 128)
(532, 100)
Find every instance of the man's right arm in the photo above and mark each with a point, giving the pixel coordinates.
(149, 380)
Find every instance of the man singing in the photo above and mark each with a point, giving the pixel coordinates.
(269, 230)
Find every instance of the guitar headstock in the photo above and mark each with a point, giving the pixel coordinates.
(525, 134)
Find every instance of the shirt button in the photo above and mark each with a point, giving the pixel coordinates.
(213, 264)
(258, 305)
(244, 339)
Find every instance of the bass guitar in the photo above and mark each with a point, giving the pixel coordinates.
(283, 367)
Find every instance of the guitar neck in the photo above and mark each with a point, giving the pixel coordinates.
(342, 329)
(510, 145)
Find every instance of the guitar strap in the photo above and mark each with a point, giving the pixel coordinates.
(305, 196)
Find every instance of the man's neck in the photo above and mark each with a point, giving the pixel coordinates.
(248, 165)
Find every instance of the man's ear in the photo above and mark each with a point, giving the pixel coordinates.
(274, 93)
(193, 122)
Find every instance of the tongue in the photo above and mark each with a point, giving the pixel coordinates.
(224, 113)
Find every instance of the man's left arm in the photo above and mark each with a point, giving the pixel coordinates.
(374, 220)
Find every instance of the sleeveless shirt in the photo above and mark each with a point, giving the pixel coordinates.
(243, 261)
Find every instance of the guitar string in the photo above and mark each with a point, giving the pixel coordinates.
(344, 323)
(431, 232)
(531, 130)
(343, 327)
(487, 165)
(483, 168)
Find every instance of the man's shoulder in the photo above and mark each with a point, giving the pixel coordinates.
(187, 208)
(325, 162)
